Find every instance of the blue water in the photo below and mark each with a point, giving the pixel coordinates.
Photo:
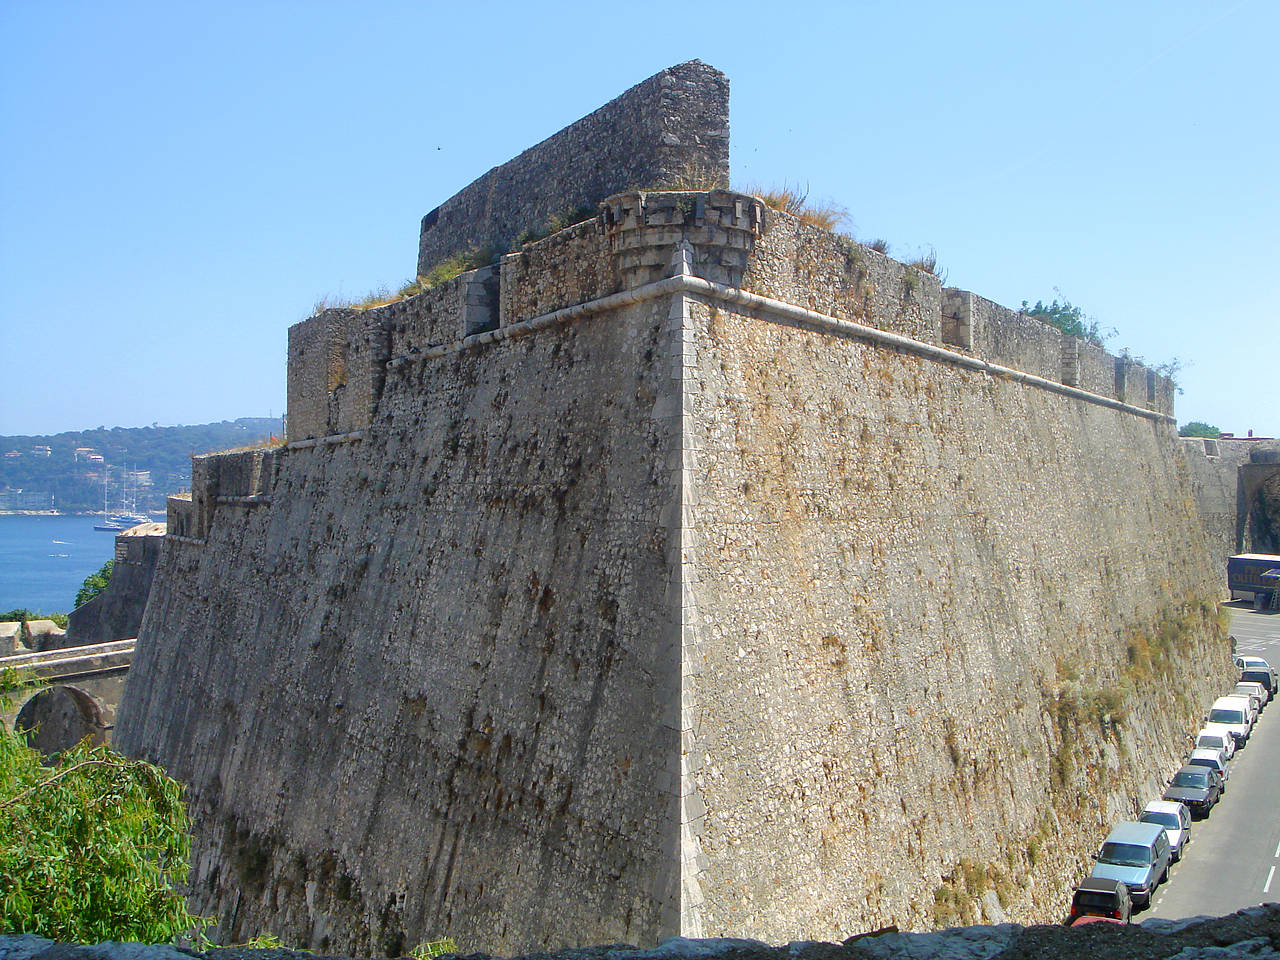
(44, 560)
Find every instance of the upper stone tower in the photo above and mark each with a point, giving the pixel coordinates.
(670, 132)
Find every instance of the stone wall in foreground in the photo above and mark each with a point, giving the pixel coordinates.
(922, 607)
(1248, 934)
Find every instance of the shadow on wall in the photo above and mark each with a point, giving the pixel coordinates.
(1263, 534)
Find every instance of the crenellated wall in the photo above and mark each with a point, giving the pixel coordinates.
(337, 358)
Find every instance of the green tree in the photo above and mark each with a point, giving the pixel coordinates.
(1198, 428)
(91, 847)
(1068, 318)
(95, 583)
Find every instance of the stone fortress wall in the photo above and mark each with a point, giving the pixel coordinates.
(1237, 487)
(692, 570)
(116, 612)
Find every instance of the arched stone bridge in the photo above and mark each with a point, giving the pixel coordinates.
(82, 687)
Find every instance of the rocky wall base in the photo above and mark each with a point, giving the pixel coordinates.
(1253, 933)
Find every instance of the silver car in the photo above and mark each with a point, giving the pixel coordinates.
(1251, 688)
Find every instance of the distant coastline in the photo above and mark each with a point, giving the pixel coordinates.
(63, 513)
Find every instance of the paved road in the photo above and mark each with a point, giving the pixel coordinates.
(1234, 857)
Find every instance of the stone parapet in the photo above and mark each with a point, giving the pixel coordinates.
(644, 228)
(569, 267)
(423, 321)
(672, 130)
(335, 371)
(180, 518)
(241, 475)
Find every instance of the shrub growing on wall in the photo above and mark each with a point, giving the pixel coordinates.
(95, 583)
(90, 847)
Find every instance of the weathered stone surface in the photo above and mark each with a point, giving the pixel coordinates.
(1226, 477)
(706, 594)
(358, 606)
(58, 718)
(42, 635)
(11, 637)
(669, 132)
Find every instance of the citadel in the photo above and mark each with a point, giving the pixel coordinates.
(692, 570)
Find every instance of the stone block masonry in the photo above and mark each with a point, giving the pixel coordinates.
(691, 571)
(1230, 479)
(670, 131)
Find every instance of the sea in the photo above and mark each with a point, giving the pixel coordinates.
(44, 560)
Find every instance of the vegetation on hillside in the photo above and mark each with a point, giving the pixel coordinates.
(76, 483)
(19, 614)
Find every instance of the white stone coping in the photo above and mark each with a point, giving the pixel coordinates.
(799, 316)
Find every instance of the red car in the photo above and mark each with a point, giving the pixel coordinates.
(1100, 899)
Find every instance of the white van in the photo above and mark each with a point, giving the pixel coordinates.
(1233, 713)
(1251, 706)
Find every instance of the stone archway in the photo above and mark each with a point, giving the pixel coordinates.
(59, 717)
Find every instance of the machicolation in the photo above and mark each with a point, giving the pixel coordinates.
(691, 570)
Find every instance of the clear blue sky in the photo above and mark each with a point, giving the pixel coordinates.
(181, 182)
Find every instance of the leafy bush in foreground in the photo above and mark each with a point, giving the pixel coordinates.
(91, 847)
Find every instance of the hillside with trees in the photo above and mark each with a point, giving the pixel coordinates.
(75, 472)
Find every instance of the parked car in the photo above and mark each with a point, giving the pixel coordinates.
(1255, 701)
(1083, 921)
(1216, 736)
(1257, 663)
(1214, 760)
(1099, 898)
(1247, 661)
(1261, 675)
(1248, 703)
(1137, 854)
(1198, 787)
(1254, 689)
(1232, 714)
(1176, 820)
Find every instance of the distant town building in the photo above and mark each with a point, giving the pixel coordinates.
(18, 499)
(41, 451)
